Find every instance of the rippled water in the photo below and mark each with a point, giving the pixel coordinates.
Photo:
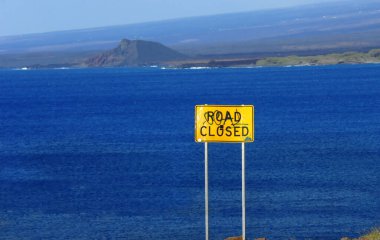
(109, 153)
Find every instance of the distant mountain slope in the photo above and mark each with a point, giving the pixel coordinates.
(135, 53)
(346, 25)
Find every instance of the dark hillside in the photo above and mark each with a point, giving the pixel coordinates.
(135, 53)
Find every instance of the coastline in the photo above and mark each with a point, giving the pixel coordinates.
(171, 67)
(347, 58)
(370, 57)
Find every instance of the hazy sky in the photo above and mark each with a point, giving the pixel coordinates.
(30, 16)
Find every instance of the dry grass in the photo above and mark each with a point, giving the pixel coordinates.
(373, 235)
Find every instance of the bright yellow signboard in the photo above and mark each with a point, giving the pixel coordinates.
(224, 123)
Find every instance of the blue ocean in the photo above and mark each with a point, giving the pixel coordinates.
(110, 153)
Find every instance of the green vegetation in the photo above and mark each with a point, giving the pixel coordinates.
(372, 56)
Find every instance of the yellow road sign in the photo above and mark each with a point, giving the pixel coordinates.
(224, 123)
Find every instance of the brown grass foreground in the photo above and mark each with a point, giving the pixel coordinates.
(373, 235)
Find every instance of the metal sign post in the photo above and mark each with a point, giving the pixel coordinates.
(206, 190)
(243, 187)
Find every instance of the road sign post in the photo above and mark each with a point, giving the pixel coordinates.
(243, 189)
(206, 190)
(224, 124)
